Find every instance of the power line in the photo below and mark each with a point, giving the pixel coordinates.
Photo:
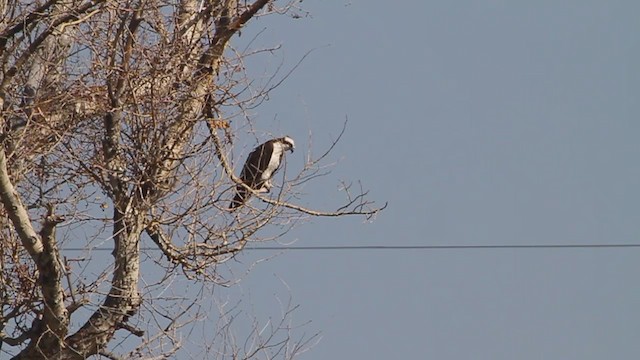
(410, 247)
(441, 247)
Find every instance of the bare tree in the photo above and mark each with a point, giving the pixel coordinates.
(116, 127)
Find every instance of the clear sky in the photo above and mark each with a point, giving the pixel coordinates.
(481, 123)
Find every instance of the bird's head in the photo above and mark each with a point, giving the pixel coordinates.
(288, 143)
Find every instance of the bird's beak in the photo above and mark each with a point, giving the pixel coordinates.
(291, 149)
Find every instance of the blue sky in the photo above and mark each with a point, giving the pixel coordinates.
(481, 123)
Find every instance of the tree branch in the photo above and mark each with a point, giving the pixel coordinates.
(210, 60)
(44, 252)
(123, 299)
(33, 46)
(17, 212)
(194, 257)
(34, 16)
(110, 355)
(135, 331)
(55, 316)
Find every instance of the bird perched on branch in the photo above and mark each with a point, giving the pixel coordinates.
(261, 165)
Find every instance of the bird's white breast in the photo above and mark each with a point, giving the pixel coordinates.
(274, 162)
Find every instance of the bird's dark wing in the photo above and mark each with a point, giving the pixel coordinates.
(255, 165)
(257, 162)
(241, 196)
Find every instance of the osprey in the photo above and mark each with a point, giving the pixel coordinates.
(261, 165)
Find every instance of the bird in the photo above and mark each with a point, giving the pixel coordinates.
(262, 163)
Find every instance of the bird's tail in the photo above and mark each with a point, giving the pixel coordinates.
(240, 198)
